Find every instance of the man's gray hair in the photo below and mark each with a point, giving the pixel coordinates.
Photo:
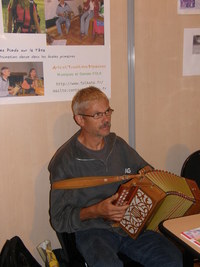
(82, 98)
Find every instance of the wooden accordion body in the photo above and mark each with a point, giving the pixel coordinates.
(155, 196)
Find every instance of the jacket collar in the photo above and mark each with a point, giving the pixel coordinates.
(110, 140)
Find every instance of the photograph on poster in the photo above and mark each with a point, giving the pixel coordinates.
(188, 6)
(21, 79)
(196, 44)
(187, 3)
(74, 22)
(23, 16)
(191, 52)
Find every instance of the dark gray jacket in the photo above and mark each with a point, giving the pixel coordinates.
(71, 161)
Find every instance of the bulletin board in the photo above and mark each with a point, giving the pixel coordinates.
(63, 65)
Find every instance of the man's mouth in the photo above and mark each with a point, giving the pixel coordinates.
(106, 125)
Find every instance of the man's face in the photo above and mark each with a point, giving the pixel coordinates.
(6, 73)
(96, 127)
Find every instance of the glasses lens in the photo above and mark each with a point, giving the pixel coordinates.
(109, 112)
(99, 115)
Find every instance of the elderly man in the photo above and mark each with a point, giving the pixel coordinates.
(89, 212)
(5, 88)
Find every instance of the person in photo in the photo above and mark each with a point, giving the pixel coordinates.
(23, 17)
(30, 83)
(90, 9)
(64, 13)
(5, 88)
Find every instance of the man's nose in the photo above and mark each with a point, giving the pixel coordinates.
(105, 117)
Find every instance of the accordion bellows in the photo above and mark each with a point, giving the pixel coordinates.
(155, 196)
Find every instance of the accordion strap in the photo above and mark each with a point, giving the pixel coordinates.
(89, 181)
(83, 182)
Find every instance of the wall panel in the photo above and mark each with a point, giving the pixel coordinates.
(167, 103)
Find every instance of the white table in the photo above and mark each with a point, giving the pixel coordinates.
(172, 228)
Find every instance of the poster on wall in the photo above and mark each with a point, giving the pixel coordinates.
(188, 7)
(50, 49)
(191, 52)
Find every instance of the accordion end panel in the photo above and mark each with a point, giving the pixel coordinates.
(141, 208)
(195, 208)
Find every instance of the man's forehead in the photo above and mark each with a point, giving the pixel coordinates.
(5, 70)
(98, 105)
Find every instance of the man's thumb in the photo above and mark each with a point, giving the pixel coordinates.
(114, 197)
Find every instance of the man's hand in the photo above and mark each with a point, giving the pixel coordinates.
(61, 15)
(11, 90)
(104, 209)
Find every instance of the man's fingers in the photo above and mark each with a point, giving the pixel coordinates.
(114, 197)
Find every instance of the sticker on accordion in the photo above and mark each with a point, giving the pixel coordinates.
(137, 212)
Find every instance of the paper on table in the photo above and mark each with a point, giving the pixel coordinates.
(193, 235)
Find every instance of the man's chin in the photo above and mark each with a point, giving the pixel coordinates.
(105, 131)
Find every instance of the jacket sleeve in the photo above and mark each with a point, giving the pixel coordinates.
(64, 209)
(64, 214)
(58, 10)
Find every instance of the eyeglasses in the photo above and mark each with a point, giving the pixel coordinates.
(99, 115)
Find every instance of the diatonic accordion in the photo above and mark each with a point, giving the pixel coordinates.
(155, 196)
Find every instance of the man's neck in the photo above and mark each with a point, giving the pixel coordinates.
(5, 77)
(92, 143)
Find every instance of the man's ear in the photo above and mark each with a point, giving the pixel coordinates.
(79, 120)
